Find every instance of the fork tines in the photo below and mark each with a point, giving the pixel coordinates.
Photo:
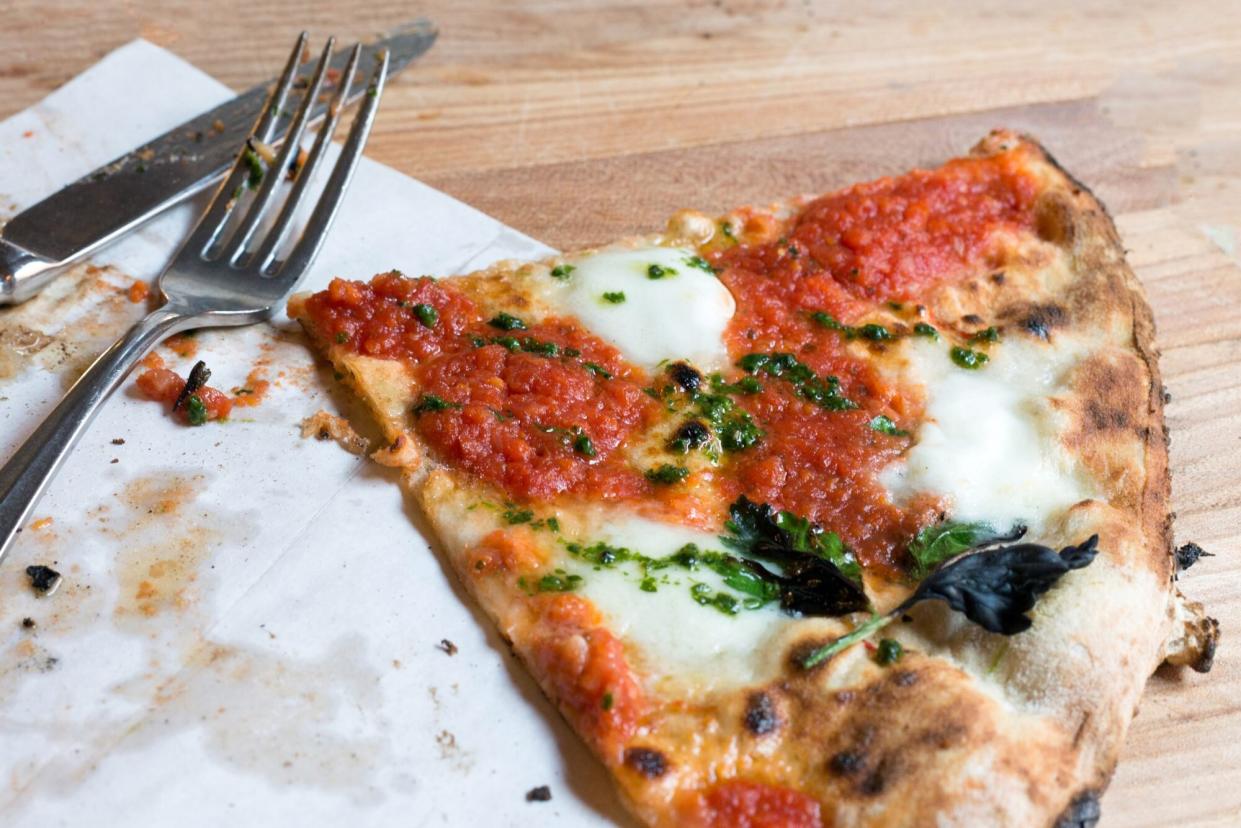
(219, 238)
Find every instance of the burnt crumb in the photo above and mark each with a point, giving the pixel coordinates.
(646, 761)
(685, 376)
(447, 646)
(118, 441)
(43, 579)
(1083, 812)
(199, 375)
(28, 623)
(1188, 555)
(760, 715)
(540, 794)
(1167, 395)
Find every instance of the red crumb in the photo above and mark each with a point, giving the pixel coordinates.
(163, 385)
(138, 292)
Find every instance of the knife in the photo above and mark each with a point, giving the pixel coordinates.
(119, 196)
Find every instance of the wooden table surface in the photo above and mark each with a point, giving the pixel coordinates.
(579, 122)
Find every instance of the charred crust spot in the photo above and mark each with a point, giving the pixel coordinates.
(877, 780)
(1167, 395)
(646, 761)
(1103, 419)
(998, 277)
(685, 376)
(1083, 812)
(905, 678)
(972, 319)
(760, 715)
(1041, 320)
(1053, 220)
(847, 763)
(853, 765)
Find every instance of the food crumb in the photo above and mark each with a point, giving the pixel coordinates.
(193, 401)
(28, 623)
(447, 646)
(1188, 555)
(43, 579)
(118, 441)
(540, 794)
(41, 523)
(138, 291)
(324, 426)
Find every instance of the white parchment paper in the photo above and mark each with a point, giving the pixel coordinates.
(248, 629)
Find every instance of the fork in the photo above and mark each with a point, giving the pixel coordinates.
(227, 273)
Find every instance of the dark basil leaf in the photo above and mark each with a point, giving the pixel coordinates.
(810, 580)
(997, 587)
(994, 587)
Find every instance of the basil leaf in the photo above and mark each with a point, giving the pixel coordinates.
(818, 575)
(995, 588)
(936, 544)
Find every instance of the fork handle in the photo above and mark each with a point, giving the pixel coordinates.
(24, 477)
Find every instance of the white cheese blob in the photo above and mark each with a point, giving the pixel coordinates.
(990, 442)
(676, 638)
(681, 315)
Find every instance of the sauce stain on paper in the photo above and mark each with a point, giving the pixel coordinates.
(68, 324)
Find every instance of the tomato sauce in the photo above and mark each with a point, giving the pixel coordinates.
(525, 410)
(842, 255)
(743, 804)
(380, 318)
(587, 668)
(892, 237)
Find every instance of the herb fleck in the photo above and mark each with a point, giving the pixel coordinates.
(615, 297)
(667, 474)
(968, 359)
(430, 402)
(426, 314)
(884, 425)
(507, 322)
(888, 652)
(563, 271)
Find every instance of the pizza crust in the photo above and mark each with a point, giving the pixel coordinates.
(970, 728)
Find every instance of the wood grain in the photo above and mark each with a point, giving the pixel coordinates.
(580, 122)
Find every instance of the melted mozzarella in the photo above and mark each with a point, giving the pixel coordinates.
(681, 315)
(990, 442)
(675, 637)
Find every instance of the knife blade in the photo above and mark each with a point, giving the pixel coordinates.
(123, 194)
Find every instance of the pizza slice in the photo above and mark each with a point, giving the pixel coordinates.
(848, 510)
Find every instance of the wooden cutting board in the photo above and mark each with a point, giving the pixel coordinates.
(1182, 763)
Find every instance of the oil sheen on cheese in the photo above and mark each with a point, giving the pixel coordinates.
(671, 310)
(990, 442)
(673, 635)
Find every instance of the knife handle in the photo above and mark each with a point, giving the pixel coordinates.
(22, 273)
(26, 475)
